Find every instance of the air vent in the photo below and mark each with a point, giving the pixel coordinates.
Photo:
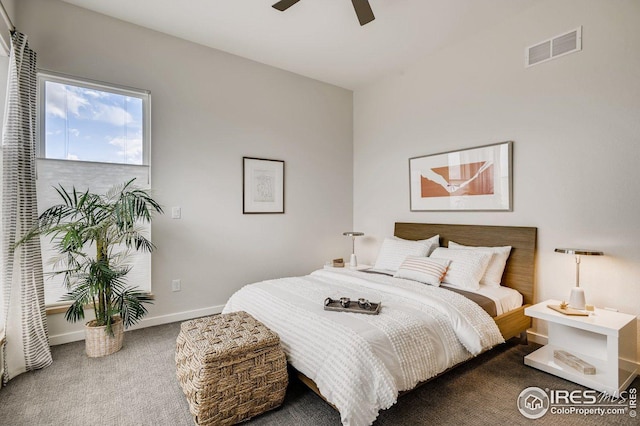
(553, 48)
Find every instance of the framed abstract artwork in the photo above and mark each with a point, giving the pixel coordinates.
(470, 179)
(263, 185)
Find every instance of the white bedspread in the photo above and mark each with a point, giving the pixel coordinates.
(360, 362)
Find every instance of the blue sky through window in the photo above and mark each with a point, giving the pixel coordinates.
(92, 125)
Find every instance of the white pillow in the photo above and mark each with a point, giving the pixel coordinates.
(467, 266)
(493, 275)
(423, 269)
(394, 250)
(434, 242)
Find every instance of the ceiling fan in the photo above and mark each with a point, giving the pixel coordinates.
(362, 8)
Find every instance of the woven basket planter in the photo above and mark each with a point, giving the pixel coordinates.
(231, 368)
(100, 343)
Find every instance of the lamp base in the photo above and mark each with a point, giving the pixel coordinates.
(577, 300)
(354, 261)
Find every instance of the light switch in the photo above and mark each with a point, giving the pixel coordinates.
(176, 285)
(176, 213)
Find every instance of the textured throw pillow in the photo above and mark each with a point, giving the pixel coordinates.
(423, 269)
(467, 266)
(493, 275)
(394, 250)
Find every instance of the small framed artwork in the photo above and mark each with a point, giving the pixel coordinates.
(263, 186)
(477, 179)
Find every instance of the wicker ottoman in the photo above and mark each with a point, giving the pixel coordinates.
(231, 367)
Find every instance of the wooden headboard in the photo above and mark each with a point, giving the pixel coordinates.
(519, 272)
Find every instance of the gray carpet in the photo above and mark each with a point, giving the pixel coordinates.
(137, 386)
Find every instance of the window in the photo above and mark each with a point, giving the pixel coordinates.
(88, 121)
(91, 136)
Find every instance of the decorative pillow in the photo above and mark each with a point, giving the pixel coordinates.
(394, 250)
(467, 266)
(493, 274)
(423, 269)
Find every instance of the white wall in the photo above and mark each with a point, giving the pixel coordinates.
(209, 109)
(575, 123)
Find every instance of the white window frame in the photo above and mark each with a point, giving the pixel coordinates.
(45, 76)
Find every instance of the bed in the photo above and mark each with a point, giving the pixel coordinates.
(360, 364)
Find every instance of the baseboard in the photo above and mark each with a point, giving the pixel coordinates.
(74, 336)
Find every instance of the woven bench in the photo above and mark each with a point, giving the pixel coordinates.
(231, 367)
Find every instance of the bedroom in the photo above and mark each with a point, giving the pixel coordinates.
(573, 122)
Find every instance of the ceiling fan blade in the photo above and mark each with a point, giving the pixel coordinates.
(283, 5)
(363, 10)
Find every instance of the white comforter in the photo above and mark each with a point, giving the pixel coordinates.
(360, 362)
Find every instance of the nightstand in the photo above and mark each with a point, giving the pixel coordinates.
(607, 340)
(349, 268)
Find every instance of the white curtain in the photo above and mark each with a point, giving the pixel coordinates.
(26, 335)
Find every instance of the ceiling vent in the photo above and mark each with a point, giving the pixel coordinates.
(554, 47)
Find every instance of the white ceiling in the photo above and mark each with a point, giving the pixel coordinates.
(321, 39)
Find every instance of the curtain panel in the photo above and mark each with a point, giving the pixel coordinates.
(26, 335)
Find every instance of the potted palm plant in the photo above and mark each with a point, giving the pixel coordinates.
(108, 225)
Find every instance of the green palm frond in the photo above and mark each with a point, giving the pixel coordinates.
(114, 192)
(130, 304)
(81, 295)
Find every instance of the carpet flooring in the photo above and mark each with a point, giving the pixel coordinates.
(137, 386)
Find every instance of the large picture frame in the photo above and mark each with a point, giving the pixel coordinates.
(262, 186)
(472, 179)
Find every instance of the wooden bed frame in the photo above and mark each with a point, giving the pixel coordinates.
(518, 274)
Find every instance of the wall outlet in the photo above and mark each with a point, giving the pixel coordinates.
(176, 285)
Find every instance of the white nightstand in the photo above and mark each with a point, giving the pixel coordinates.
(347, 267)
(606, 340)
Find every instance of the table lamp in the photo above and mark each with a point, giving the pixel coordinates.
(577, 300)
(353, 234)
